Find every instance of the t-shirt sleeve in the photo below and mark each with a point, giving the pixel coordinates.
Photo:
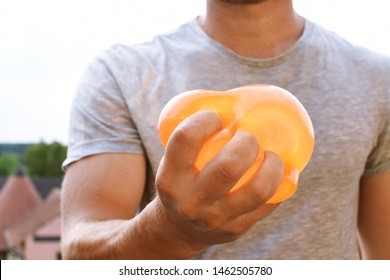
(379, 159)
(100, 121)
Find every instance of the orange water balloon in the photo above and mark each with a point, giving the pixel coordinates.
(273, 115)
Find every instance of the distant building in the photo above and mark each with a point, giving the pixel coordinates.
(30, 224)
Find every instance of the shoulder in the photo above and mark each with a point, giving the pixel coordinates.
(321, 37)
(158, 47)
(345, 55)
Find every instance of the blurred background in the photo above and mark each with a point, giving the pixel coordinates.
(45, 46)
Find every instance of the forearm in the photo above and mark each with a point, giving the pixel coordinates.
(374, 217)
(374, 241)
(150, 235)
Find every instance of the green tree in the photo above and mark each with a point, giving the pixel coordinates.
(8, 164)
(45, 159)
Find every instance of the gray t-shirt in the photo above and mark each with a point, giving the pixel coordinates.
(344, 88)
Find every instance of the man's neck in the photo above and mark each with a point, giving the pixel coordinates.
(257, 30)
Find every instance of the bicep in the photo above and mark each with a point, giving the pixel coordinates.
(103, 187)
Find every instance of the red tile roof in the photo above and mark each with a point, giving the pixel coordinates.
(33, 220)
(17, 197)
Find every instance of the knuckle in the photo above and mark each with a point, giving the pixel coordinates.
(183, 134)
(229, 168)
(164, 187)
(238, 230)
(201, 197)
(161, 183)
(188, 132)
(263, 193)
(214, 224)
(250, 139)
(197, 127)
(187, 212)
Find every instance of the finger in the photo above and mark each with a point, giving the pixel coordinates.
(259, 190)
(228, 166)
(188, 137)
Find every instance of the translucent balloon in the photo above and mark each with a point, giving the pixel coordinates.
(273, 115)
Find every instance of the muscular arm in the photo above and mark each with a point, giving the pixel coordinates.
(192, 211)
(374, 217)
(101, 195)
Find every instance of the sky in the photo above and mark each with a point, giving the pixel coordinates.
(45, 46)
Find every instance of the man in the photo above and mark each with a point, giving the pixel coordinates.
(125, 198)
